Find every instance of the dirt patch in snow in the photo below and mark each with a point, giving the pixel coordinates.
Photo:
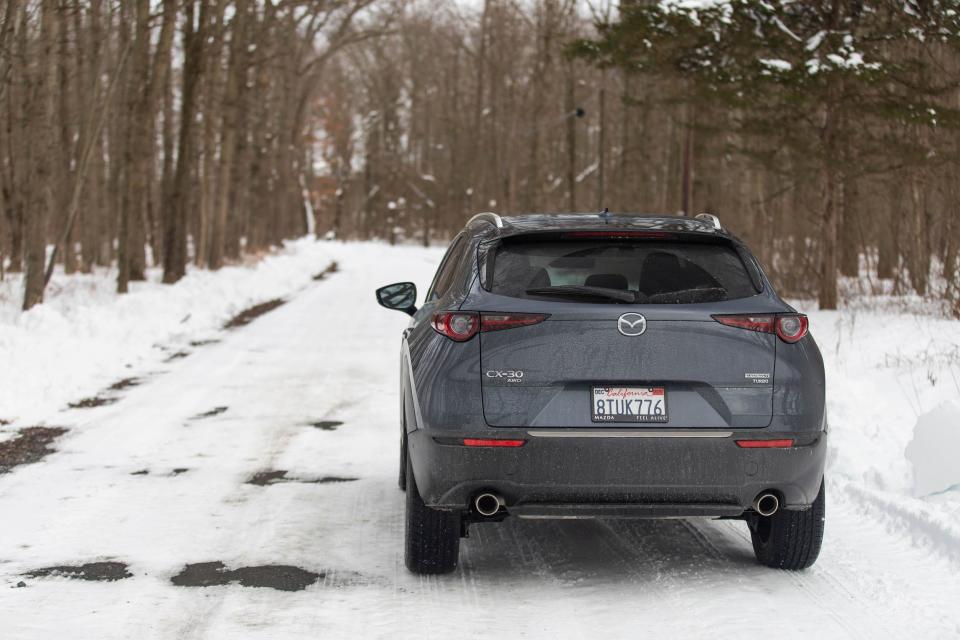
(179, 355)
(91, 403)
(126, 383)
(326, 425)
(30, 445)
(209, 414)
(247, 316)
(332, 268)
(264, 478)
(106, 396)
(4, 423)
(174, 472)
(203, 343)
(274, 576)
(93, 571)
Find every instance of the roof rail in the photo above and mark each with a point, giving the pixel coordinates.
(487, 216)
(710, 219)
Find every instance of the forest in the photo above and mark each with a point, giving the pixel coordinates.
(176, 134)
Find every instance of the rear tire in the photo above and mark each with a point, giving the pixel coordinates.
(790, 539)
(432, 536)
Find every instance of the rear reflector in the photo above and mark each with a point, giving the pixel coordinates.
(613, 235)
(764, 444)
(490, 442)
(500, 321)
(789, 327)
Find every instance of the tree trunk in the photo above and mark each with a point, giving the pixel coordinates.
(10, 169)
(920, 251)
(132, 199)
(42, 118)
(18, 153)
(887, 257)
(210, 108)
(168, 133)
(827, 291)
(687, 183)
(68, 149)
(624, 191)
(571, 108)
(92, 215)
(175, 227)
(849, 229)
(236, 76)
(602, 143)
(154, 95)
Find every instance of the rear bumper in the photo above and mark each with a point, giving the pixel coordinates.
(604, 474)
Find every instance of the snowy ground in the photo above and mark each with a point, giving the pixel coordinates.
(159, 479)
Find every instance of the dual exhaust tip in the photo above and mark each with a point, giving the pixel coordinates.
(487, 504)
(766, 504)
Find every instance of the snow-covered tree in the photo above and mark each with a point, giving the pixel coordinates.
(847, 86)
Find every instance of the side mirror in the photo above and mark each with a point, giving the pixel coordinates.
(401, 296)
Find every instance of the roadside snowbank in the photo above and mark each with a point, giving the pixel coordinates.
(85, 337)
(934, 448)
(887, 372)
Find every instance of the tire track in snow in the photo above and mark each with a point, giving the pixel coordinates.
(635, 545)
(884, 510)
(816, 584)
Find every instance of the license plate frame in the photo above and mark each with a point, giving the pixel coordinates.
(628, 404)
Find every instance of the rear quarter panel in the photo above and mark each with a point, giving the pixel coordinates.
(445, 379)
(799, 398)
(442, 377)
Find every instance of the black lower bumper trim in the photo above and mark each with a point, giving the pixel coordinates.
(626, 511)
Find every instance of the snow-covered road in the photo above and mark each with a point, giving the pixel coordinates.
(186, 468)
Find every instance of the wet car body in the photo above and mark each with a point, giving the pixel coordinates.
(535, 413)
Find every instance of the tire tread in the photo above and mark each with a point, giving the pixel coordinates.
(795, 537)
(432, 536)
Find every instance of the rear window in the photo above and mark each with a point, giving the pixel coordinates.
(645, 272)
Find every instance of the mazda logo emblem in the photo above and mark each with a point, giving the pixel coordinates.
(631, 324)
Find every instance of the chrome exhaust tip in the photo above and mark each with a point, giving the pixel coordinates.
(766, 504)
(487, 504)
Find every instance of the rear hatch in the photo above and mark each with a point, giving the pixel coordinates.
(629, 339)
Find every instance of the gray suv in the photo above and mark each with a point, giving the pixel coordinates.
(607, 366)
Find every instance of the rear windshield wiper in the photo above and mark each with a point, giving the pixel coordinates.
(583, 291)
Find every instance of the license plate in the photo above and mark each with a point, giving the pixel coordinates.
(628, 404)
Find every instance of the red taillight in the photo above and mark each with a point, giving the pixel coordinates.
(463, 325)
(492, 442)
(764, 444)
(499, 321)
(792, 328)
(616, 234)
(788, 327)
(459, 326)
(752, 323)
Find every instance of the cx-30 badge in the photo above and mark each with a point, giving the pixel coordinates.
(631, 324)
